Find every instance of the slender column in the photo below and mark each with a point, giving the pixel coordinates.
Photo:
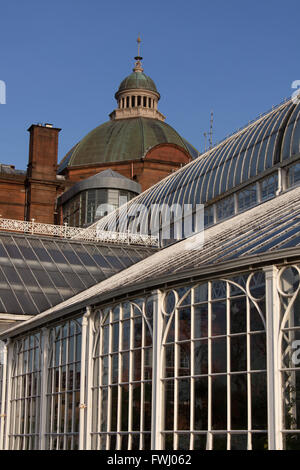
(280, 182)
(157, 401)
(273, 360)
(3, 395)
(44, 385)
(8, 393)
(85, 382)
(258, 190)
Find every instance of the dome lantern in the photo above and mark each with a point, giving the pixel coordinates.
(137, 95)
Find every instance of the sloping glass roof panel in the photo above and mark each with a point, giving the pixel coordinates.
(262, 140)
(37, 273)
(295, 148)
(264, 229)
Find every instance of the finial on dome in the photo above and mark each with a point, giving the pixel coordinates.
(139, 44)
(138, 64)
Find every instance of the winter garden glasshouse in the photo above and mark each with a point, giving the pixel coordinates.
(189, 345)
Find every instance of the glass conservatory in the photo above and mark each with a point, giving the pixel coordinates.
(195, 346)
(204, 355)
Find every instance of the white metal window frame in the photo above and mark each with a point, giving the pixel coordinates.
(63, 386)
(273, 322)
(190, 433)
(24, 399)
(122, 366)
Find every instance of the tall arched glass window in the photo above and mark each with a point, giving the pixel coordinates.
(289, 349)
(214, 379)
(63, 386)
(25, 396)
(122, 376)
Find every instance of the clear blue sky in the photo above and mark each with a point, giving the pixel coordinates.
(62, 62)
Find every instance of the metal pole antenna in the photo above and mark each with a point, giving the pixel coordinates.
(211, 128)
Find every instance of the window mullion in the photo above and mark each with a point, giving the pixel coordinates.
(228, 367)
(209, 417)
(120, 371)
(192, 367)
(273, 366)
(3, 410)
(44, 376)
(249, 396)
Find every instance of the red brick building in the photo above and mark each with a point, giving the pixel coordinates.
(135, 143)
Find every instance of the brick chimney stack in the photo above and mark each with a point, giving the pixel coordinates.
(43, 150)
(42, 186)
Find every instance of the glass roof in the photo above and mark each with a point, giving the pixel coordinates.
(268, 228)
(259, 146)
(36, 274)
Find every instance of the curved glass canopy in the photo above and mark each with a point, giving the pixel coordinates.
(269, 140)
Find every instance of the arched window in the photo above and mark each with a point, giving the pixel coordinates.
(289, 292)
(214, 377)
(122, 376)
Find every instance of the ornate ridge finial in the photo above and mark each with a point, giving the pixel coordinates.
(138, 64)
(139, 44)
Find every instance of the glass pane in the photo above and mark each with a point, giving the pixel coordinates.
(200, 293)
(169, 405)
(219, 402)
(169, 360)
(259, 441)
(201, 321)
(136, 407)
(238, 442)
(183, 404)
(258, 351)
(184, 359)
(183, 442)
(124, 407)
(220, 442)
(219, 355)
(126, 334)
(238, 348)
(238, 315)
(291, 441)
(184, 324)
(218, 317)
(259, 400)
(201, 403)
(201, 357)
(239, 401)
(200, 442)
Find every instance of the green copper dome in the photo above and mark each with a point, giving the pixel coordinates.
(137, 80)
(122, 140)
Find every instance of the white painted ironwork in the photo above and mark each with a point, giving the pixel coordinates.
(205, 387)
(23, 427)
(288, 288)
(63, 390)
(197, 413)
(274, 391)
(122, 377)
(3, 371)
(77, 233)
